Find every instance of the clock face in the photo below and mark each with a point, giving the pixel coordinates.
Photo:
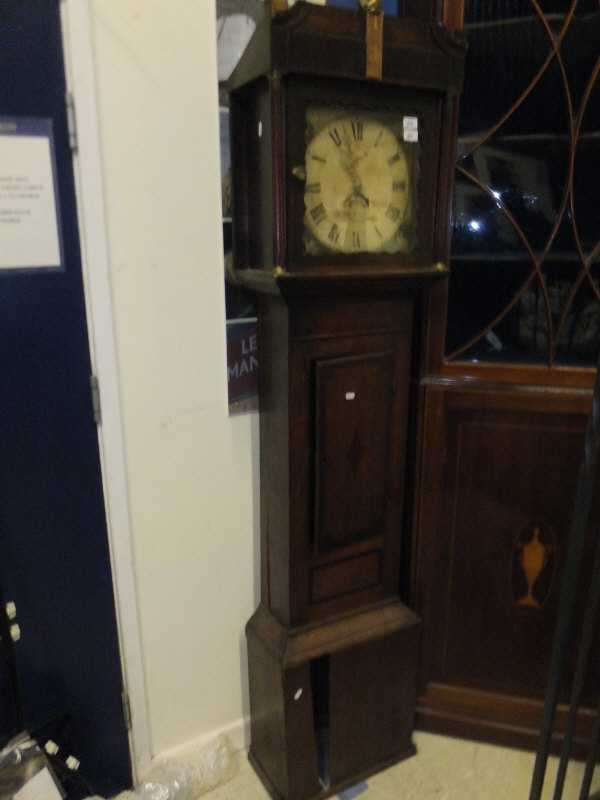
(358, 192)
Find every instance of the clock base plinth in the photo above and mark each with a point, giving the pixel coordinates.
(332, 790)
(331, 703)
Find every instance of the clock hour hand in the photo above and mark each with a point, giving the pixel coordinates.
(349, 165)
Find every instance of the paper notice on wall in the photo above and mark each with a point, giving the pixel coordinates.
(29, 212)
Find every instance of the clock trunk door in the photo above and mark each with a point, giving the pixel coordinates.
(349, 407)
(353, 427)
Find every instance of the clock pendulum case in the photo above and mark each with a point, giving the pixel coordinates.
(342, 139)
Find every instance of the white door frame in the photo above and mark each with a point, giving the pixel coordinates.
(79, 66)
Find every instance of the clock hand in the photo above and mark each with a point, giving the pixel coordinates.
(349, 165)
(355, 207)
(357, 192)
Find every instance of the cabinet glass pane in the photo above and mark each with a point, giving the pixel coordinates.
(526, 230)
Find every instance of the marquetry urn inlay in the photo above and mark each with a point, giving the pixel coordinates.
(533, 565)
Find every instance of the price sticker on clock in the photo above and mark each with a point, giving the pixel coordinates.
(410, 129)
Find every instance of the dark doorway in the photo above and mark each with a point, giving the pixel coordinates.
(54, 553)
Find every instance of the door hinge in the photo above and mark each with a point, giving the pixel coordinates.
(126, 710)
(96, 410)
(71, 121)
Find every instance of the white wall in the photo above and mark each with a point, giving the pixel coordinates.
(191, 470)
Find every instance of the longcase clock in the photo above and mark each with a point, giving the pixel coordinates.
(342, 139)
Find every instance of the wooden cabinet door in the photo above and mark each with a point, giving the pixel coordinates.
(353, 420)
(349, 434)
(501, 476)
(372, 704)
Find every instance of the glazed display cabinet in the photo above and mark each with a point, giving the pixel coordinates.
(512, 340)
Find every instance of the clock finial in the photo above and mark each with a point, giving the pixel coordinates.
(371, 6)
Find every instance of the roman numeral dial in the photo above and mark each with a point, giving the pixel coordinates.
(357, 193)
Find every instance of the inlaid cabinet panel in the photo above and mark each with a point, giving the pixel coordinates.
(494, 525)
(353, 424)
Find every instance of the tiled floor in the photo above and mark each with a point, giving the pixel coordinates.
(443, 769)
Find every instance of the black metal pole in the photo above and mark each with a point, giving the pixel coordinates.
(569, 588)
(590, 764)
(580, 673)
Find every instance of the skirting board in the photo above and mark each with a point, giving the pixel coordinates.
(237, 732)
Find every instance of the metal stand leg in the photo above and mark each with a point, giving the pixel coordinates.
(565, 613)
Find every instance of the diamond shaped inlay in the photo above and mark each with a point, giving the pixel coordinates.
(356, 451)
